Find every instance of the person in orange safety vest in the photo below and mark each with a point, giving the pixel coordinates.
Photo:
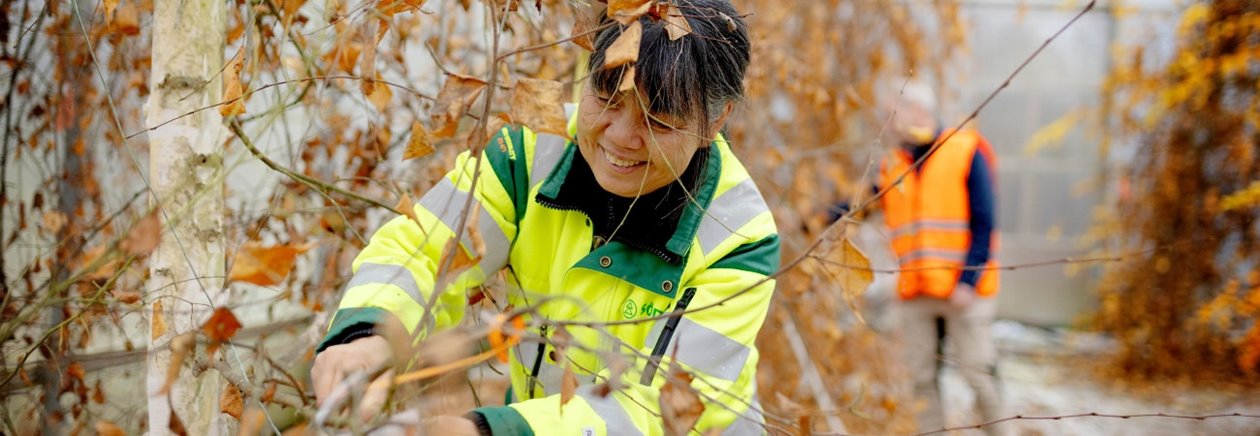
(942, 217)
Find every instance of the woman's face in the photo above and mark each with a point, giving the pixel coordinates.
(631, 152)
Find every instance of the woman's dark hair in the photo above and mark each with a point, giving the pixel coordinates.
(692, 77)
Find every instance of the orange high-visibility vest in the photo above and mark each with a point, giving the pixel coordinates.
(930, 219)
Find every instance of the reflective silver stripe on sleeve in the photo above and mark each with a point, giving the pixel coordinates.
(616, 420)
(730, 211)
(447, 202)
(931, 224)
(382, 274)
(547, 151)
(935, 253)
(752, 422)
(703, 349)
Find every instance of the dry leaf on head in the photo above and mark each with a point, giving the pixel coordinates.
(456, 96)
(625, 49)
(627, 11)
(627, 81)
(144, 236)
(583, 34)
(538, 105)
(676, 25)
(421, 142)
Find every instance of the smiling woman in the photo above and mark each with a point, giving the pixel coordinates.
(644, 210)
(639, 140)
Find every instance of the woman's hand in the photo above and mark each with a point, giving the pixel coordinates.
(337, 362)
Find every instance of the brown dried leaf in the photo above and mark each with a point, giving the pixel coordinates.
(125, 297)
(232, 402)
(858, 273)
(627, 81)
(126, 21)
(110, 5)
(270, 393)
(265, 265)
(181, 347)
(54, 221)
(104, 271)
(380, 96)
(157, 326)
(461, 261)
(538, 104)
(221, 327)
(233, 92)
(367, 60)
(457, 94)
(98, 394)
(252, 422)
(144, 236)
(582, 27)
(680, 404)
(176, 425)
(75, 371)
(407, 208)
(627, 11)
(106, 428)
(625, 49)
(568, 385)
(420, 144)
(676, 25)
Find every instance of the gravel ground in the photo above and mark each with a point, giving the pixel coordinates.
(1043, 375)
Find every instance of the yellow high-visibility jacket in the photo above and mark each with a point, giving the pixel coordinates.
(725, 242)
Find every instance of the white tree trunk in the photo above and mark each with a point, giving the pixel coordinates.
(186, 175)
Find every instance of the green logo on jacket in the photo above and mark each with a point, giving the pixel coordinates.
(629, 309)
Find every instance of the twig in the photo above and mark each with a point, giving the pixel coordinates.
(269, 85)
(308, 181)
(1094, 415)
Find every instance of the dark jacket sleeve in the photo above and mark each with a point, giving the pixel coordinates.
(982, 204)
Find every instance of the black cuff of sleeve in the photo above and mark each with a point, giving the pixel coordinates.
(483, 426)
(348, 335)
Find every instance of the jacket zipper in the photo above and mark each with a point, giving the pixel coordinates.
(668, 257)
(667, 333)
(533, 376)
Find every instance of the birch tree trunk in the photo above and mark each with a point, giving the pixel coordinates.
(185, 173)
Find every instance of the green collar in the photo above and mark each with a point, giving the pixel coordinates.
(655, 267)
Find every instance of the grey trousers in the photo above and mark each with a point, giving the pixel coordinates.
(970, 349)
